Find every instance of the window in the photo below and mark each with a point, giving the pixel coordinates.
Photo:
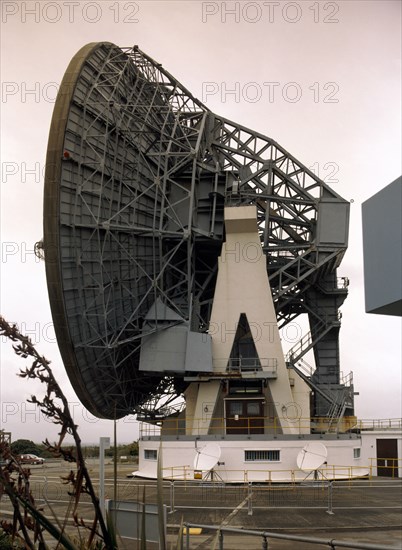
(150, 454)
(245, 386)
(253, 409)
(262, 456)
(236, 407)
(356, 452)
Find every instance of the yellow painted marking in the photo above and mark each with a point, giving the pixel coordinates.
(192, 530)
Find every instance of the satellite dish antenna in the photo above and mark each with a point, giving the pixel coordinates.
(206, 458)
(138, 173)
(312, 456)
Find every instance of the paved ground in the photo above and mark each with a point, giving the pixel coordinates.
(362, 511)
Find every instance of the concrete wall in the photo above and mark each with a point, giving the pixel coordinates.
(179, 455)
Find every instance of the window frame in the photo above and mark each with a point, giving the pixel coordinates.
(154, 453)
(357, 451)
(269, 455)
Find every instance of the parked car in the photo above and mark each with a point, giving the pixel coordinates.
(31, 459)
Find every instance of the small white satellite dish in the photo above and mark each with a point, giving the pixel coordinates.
(312, 456)
(207, 457)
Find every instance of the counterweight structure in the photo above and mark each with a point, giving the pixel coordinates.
(139, 176)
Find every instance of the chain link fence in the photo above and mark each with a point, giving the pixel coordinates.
(329, 495)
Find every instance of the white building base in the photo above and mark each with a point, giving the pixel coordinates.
(253, 459)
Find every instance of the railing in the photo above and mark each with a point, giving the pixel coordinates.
(159, 412)
(273, 425)
(303, 344)
(244, 425)
(305, 367)
(380, 424)
(309, 370)
(265, 536)
(369, 498)
(240, 364)
(393, 465)
(326, 322)
(346, 379)
(320, 477)
(339, 284)
(371, 493)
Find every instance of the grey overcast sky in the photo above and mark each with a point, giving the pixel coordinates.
(321, 78)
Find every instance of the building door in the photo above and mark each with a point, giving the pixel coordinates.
(244, 416)
(387, 457)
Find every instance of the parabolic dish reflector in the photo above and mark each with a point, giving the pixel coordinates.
(312, 456)
(207, 457)
(101, 203)
(138, 173)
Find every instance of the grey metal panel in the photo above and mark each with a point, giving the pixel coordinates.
(161, 312)
(176, 350)
(198, 352)
(165, 350)
(129, 521)
(382, 247)
(333, 223)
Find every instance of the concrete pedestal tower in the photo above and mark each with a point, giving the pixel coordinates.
(250, 380)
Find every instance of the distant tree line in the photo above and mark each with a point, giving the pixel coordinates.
(130, 450)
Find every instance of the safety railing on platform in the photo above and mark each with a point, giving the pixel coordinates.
(346, 379)
(324, 323)
(266, 476)
(380, 424)
(241, 364)
(336, 284)
(183, 425)
(238, 425)
(386, 467)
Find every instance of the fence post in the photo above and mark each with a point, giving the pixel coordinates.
(187, 537)
(171, 497)
(221, 540)
(250, 502)
(104, 443)
(45, 489)
(264, 542)
(329, 511)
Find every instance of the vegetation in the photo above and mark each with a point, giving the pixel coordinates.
(7, 542)
(130, 451)
(26, 446)
(28, 521)
(26, 529)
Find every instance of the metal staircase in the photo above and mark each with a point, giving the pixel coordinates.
(337, 410)
(339, 399)
(307, 378)
(308, 341)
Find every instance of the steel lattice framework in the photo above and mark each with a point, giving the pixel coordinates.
(138, 173)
